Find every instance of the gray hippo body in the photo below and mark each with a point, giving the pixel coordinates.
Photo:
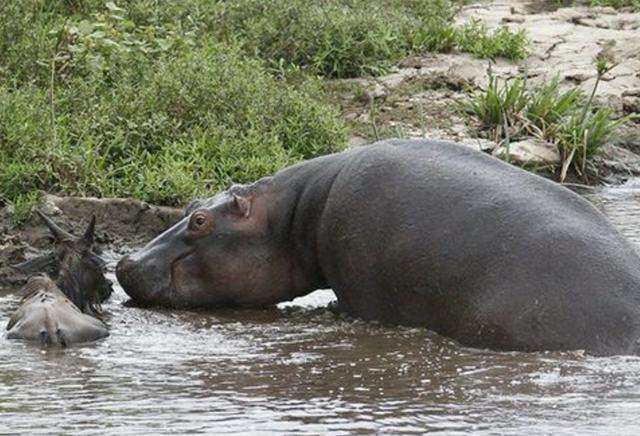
(419, 233)
(47, 316)
(63, 312)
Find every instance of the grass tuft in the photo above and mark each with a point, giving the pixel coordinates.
(510, 110)
(474, 38)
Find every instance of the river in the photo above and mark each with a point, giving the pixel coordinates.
(300, 369)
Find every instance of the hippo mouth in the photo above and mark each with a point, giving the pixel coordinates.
(171, 296)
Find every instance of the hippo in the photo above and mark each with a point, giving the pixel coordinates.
(63, 312)
(408, 232)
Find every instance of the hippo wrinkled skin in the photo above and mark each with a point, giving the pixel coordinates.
(63, 312)
(412, 232)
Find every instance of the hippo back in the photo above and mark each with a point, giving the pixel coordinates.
(434, 234)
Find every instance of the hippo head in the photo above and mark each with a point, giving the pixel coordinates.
(79, 269)
(223, 252)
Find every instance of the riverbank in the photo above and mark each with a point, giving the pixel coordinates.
(128, 100)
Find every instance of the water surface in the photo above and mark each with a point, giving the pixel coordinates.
(300, 369)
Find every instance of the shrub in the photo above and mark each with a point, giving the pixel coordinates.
(350, 38)
(186, 126)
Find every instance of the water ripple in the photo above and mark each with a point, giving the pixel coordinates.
(300, 369)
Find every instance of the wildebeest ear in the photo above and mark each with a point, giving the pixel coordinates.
(36, 264)
(242, 205)
(57, 232)
(89, 234)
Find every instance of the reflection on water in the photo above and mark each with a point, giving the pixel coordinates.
(299, 368)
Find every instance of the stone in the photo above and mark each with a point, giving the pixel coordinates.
(513, 19)
(357, 141)
(631, 105)
(579, 75)
(479, 144)
(619, 163)
(530, 151)
(378, 91)
(632, 92)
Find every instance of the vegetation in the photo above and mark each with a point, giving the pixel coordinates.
(164, 101)
(633, 4)
(510, 110)
(99, 104)
(194, 123)
(476, 39)
(350, 38)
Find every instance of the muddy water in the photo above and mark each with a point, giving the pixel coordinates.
(300, 369)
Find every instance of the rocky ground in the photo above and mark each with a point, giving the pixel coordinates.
(420, 99)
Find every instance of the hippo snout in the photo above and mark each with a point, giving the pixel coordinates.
(145, 278)
(130, 276)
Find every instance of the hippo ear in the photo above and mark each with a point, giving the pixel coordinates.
(89, 234)
(57, 232)
(195, 204)
(242, 205)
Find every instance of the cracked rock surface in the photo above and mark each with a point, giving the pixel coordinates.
(421, 98)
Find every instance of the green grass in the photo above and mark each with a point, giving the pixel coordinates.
(351, 38)
(474, 38)
(186, 126)
(164, 101)
(632, 4)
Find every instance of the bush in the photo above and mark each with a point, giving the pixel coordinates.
(185, 126)
(350, 38)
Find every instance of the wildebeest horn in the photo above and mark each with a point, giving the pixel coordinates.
(56, 231)
(89, 233)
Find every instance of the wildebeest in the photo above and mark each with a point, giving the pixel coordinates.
(65, 311)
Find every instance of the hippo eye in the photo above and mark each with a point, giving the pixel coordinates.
(200, 221)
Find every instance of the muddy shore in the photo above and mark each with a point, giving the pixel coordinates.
(121, 223)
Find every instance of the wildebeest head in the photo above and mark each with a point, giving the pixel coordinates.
(80, 271)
